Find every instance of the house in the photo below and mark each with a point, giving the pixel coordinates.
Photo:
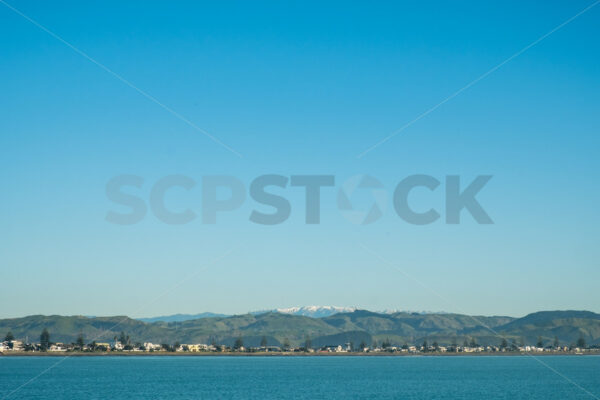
(266, 349)
(194, 348)
(17, 345)
(103, 346)
(152, 347)
(533, 348)
(333, 349)
(58, 347)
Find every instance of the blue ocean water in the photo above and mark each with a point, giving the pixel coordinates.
(209, 377)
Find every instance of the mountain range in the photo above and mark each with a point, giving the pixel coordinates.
(307, 311)
(182, 317)
(356, 326)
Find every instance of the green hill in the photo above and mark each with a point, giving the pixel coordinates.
(357, 326)
(567, 326)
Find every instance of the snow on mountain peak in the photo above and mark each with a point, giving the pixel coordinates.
(315, 311)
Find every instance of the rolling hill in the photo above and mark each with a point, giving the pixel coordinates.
(361, 325)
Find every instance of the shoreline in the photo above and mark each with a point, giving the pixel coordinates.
(282, 354)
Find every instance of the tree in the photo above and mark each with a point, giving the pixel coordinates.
(556, 342)
(45, 340)
(263, 341)
(123, 338)
(80, 343)
(9, 337)
(473, 342)
(362, 345)
(286, 344)
(239, 343)
(465, 343)
(307, 343)
(436, 346)
(425, 346)
(540, 342)
(504, 344)
(581, 342)
(386, 343)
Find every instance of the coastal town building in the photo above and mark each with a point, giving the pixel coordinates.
(16, 346)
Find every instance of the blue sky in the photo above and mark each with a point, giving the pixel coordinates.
(299, 88)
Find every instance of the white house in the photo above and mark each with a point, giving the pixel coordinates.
(151, 346)
(57, 347)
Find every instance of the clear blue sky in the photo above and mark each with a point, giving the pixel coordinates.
(299, 88)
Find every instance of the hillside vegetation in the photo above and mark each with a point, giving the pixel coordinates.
(358, 326)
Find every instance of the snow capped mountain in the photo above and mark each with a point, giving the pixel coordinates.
(306, 311)
(315, 311)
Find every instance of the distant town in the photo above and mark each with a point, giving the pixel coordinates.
(122, 344)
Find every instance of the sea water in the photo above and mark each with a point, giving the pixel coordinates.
(293, 377)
